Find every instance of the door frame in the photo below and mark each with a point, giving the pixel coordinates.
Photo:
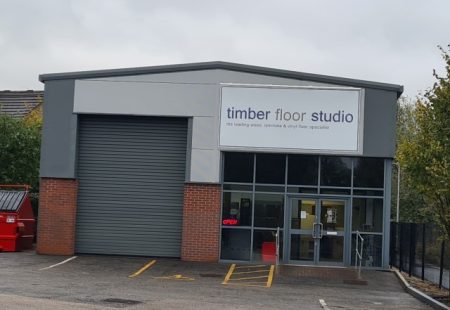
(287, 231)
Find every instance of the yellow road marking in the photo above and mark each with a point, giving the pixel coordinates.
(146, 266)
(176, 277)
(270, 279)
(230, 272)
(230, 278)
(256, 271)
(251, 266)
(249, 278)
(253, 284)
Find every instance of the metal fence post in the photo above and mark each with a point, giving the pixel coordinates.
(392, 245)
(423, 251)
(441, 270)
(412, 247)
(400, 259)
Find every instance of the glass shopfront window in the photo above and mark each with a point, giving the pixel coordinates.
(372, 251)
(302, 190)
(237, 209)
(303, 170)
(368, 192)
(335, 171)
(264, 246)
(302, 247)
(270, 168)
(368, 172)
(238, 167)
(335, 191)
(236, 244)
(258, 187)
(269, 210)
(367, 215)
(269, 188)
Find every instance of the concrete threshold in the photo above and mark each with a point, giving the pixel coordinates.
(345, 274)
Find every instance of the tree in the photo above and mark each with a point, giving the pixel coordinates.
(410, 199)
(425, 155)
(20, 142)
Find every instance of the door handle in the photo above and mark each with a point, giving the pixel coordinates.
(314, 231)
(317, 230)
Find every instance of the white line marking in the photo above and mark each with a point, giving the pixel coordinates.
(323, 304)
(63, 262)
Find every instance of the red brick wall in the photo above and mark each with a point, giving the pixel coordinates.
(57, 216)
(201, 222)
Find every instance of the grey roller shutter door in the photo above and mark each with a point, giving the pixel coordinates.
(131, 173)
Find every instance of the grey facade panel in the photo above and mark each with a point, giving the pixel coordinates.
(183, 93)
(380, 111)
(131, 174)
(192, 67)
(156, 99)
(59, 132)
(212, 77)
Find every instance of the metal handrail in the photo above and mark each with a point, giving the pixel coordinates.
(277, 248)
(359, 253)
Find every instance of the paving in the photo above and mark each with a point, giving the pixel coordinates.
(30, 281)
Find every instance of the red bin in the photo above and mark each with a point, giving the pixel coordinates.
(269, 252)
(17, 223)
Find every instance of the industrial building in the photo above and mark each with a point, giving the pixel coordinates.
(207, 161)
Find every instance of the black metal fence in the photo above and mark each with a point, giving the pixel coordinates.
(417, 250)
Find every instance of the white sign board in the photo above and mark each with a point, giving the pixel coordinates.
(303, 214)
(320, 120)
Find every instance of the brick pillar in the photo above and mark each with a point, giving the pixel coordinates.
(201, 222)
(57, 216)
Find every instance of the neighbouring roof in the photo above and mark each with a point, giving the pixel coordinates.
(225, 66)
(20, 103)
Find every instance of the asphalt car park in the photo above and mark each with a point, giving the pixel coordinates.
(104, 282)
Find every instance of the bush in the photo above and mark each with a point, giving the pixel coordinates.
(20, 143)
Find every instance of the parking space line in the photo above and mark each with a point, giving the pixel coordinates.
(255, 271)
(176, 277)
(252, 284)
(245, 278)
(58, 264)
(270, 279)
(230, 272)
(144, 268)
(248, 278)
(251, 266)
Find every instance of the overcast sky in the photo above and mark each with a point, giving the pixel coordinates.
(378, 40)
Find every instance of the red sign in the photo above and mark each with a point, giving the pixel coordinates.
(230, 222)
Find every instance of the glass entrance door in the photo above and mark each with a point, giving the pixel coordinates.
(317, 231)
(303, 230)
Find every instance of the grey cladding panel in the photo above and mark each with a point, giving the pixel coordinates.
(379, 123)
(59, 132)
(214, 76)
(131, 173)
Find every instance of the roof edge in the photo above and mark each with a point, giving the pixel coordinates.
(225, 66)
